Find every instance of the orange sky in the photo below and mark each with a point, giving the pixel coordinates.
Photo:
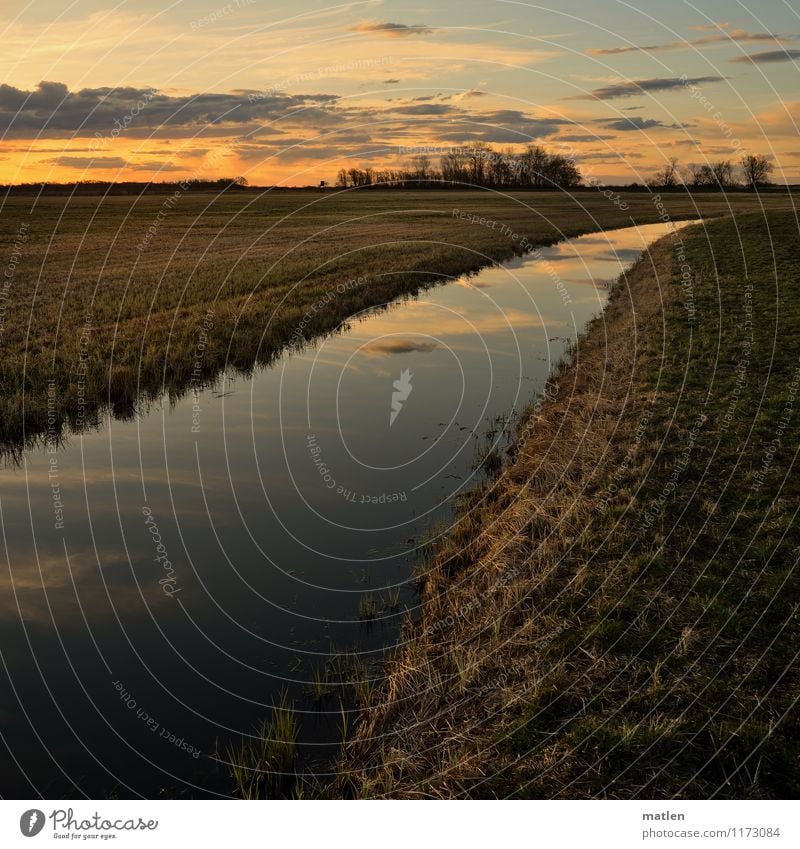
(288, 94)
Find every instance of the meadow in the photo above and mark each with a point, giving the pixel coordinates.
(107, 302)
(634, 563)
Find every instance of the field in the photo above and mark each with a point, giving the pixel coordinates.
(112, 301)
(616, 615)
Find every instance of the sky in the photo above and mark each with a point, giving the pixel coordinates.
(287, 93)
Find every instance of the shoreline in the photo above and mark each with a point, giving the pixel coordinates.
(528, 673)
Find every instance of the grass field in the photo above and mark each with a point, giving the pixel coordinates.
(111, 301)
(616, 614)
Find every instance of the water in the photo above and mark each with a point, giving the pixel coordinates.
(167, 578)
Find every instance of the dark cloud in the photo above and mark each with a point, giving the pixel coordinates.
(583, 138)
(51, 109)
(425, 109)
(390, 29)
(735, 35)
(769, 56)
(155, 165)
(255, 124)
(636, 87)
(638, 123)
(84, 162)
(390, 82)
(614, 51)
(389, 347)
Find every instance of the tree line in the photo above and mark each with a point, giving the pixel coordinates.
(535, 167)
(752, 172)
(126, 187)
(476, 164)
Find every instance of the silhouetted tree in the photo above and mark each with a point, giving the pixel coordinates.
(476, 164)
(723, 173)
(756, 170)
(667, 177)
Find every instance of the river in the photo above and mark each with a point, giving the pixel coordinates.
(169, 576)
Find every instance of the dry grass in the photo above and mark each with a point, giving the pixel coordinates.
(569, 646)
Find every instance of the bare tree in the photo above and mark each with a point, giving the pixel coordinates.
(667, 177)
(421, 166)
(479, 165)
(756, 170)
(723, 173)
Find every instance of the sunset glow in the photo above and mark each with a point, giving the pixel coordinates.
(138, 91)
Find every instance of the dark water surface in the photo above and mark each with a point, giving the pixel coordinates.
(213, 553)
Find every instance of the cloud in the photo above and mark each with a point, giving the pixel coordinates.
(390, 347)
(614, 51)
(391, 30)
(635, 87)
(638, 123)
(83, 162)
(472, 92)
(52, 109)
(707, 27)
(769, 56)
(740, 36)
(425, 109)
(390, 82)
(155, 165)
(583, 138)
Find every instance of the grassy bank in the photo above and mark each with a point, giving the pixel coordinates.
(616, 615)
(111, 300)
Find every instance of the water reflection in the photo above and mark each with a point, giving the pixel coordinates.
(168, 576)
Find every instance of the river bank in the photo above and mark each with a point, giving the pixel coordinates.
(615, 614)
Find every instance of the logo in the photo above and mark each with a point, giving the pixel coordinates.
(403, 389)
(31, 822)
